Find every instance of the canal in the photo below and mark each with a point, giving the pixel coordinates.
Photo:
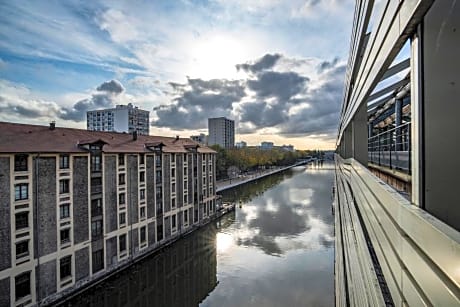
(276, 249)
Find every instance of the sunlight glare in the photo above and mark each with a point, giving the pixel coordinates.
(216, 56)
(224, 241)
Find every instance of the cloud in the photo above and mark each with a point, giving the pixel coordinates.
(288, 103)
(102, 98)
(282, 85)
(265, 62)
(112, 86)
(196, 101)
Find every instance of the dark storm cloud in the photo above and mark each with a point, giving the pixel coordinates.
(112, 86)
(327, 65)
(282, 85)
(262, 114)
(197, 100)
(19, 110)
(103, 98)
(265, 62)
(321, 115)
(267, 99)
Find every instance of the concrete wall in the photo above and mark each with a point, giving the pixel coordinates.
(179, 181)
(151, 229)
(110, 193)
(47, 279)
(81, 264)
(5, 292)
(150, 185)
(80, 199)
(5, 207)
(134, 239)
(111, 252)
(167, 183)
(46, 197)
(133, 189)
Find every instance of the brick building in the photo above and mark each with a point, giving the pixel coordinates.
(77, 204)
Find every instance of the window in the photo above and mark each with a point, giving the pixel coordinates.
(64, 186)
(65, 236)
(121, 159)
(195, 217)
(22, 285)
(185, 184)
(173, 221)
(173, 203)
(98, 260)
(96, 228)
(64, 161)
(141, 159)
(22, 249)
(122, 218)
(158, 177)
(173, 188)
(185, 157)
(22, 220)
(186, 217)
(96, 207)
(122, 243)
(96, 163)
(143, 235)
(173, 158)
(20, 163)
(142, 194)
(121, 199)
(21, 191)
(64, 211)
(173, 172)
(185, 199)
(142, 212)
(121, 179)
(204, 169)
(65, 267)
(142, 176)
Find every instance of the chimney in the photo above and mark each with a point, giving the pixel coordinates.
(52, 125)
(134, 135)
(177, 138)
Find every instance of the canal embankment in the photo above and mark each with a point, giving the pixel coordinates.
(234, 182)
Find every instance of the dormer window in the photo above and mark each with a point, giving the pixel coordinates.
(20, 163)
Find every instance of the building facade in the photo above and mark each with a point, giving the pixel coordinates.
(79, 204)
(201, 138)
(122, 118)
(221, 132)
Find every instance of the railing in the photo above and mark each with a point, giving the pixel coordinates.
(418, 255)
(391, 148)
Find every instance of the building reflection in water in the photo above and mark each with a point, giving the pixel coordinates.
(181, 275)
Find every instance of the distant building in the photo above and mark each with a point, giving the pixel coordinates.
(221, 132)
(78, 204)
(201, 138)
(241, 144)
(122, 118)
(266, 145)
(287, 147)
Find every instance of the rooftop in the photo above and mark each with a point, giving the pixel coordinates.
(21, 138)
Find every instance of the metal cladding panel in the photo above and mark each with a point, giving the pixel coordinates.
(418, 254)
(397, 22)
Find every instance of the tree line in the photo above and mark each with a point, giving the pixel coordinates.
(252, 158)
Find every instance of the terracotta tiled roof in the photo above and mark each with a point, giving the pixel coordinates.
(15, 138)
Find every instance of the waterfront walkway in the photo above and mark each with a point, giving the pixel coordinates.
(231, 183)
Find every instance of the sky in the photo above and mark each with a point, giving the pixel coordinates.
(276, 67)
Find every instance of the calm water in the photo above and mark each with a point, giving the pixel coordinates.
(277, 249)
